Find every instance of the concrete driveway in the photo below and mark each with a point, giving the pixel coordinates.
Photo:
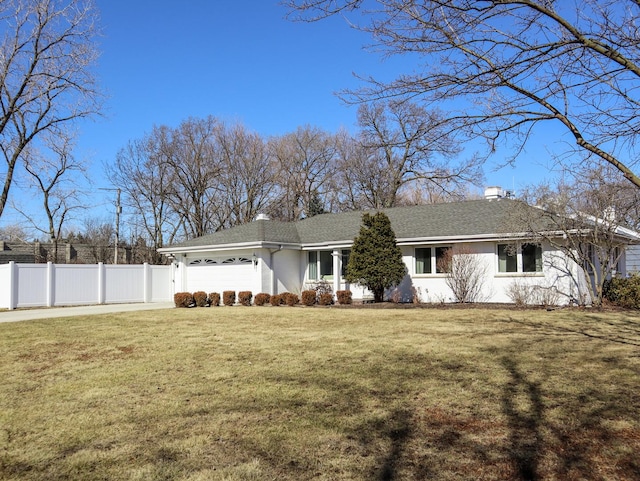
(51, 312)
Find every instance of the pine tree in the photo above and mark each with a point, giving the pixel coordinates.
(316, 206)
(375, 260)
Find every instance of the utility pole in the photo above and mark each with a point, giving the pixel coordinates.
(118, 212)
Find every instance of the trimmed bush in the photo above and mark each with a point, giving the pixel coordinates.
(214, 299)
(290, 299)
(262, 298)
(183, 299)
(623, 292)
(344, 297)
(325, 299)
(229, 298)
(275, 300)
(309, 297)
(200, 298)
(244, 298)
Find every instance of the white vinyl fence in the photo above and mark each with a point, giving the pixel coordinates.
(48, 285)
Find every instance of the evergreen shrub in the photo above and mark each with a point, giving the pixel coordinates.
(183, 299)
(229, 298)
(262, 298)
(275, 299)
(325, 299)
(344, 297)
(309, 297)
(200, 298)
(290, 299)
(214, 299)
(244, 297)
(623, 292)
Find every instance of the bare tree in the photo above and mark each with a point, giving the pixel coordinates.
(407, 144)
(46, 83)
(305, 161)
(513, 65)
(190, 151)
(197, 178)
(54, 174)
(361, 178)
(14, 233)
(246, 180)
(145, 176)
(585, 219)
(99, 236)
(466, 273)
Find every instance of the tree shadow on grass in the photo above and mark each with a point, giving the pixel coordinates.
(622, 331)
(522, 405)
(398, 433)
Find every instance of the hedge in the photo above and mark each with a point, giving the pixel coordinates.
(183, 299)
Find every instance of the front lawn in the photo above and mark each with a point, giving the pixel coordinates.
(328, 394)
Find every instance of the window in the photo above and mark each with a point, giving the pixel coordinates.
(320, 265)
(523, 258)
(531, 258)
(423, 260)
(326, 265)
(431, 259)
(443, 260)
(507, 258)
(313, 265)
(346, 253)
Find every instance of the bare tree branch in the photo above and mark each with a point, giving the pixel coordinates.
(512, 65)
(46, 82)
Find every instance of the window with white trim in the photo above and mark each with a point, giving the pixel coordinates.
(430, 259)
(523, 258)
(320, 265)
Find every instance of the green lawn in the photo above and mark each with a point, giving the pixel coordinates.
(329, 394)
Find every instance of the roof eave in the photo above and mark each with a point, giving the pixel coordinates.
(228, 247)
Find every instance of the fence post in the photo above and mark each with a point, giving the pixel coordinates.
(12, 285)
(146, 274)
(101, 283)
(51, 295)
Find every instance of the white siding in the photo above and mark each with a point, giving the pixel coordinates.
(633, 260)
(559, 275)
(287, 271)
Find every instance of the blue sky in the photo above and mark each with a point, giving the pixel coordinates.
(239, 60)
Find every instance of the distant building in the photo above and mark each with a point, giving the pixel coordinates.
(68, 253)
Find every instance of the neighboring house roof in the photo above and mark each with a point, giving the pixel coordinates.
(486, 218)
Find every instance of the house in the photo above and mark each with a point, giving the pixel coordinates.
(63, 253)
(274, 257)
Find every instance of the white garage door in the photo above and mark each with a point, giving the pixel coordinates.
(221, 274)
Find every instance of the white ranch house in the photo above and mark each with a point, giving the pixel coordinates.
(274, 257)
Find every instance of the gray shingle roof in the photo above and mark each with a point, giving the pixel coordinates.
(468, 218)
(270, 231)
(456, 219)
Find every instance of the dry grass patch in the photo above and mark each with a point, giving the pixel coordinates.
(290, 393)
